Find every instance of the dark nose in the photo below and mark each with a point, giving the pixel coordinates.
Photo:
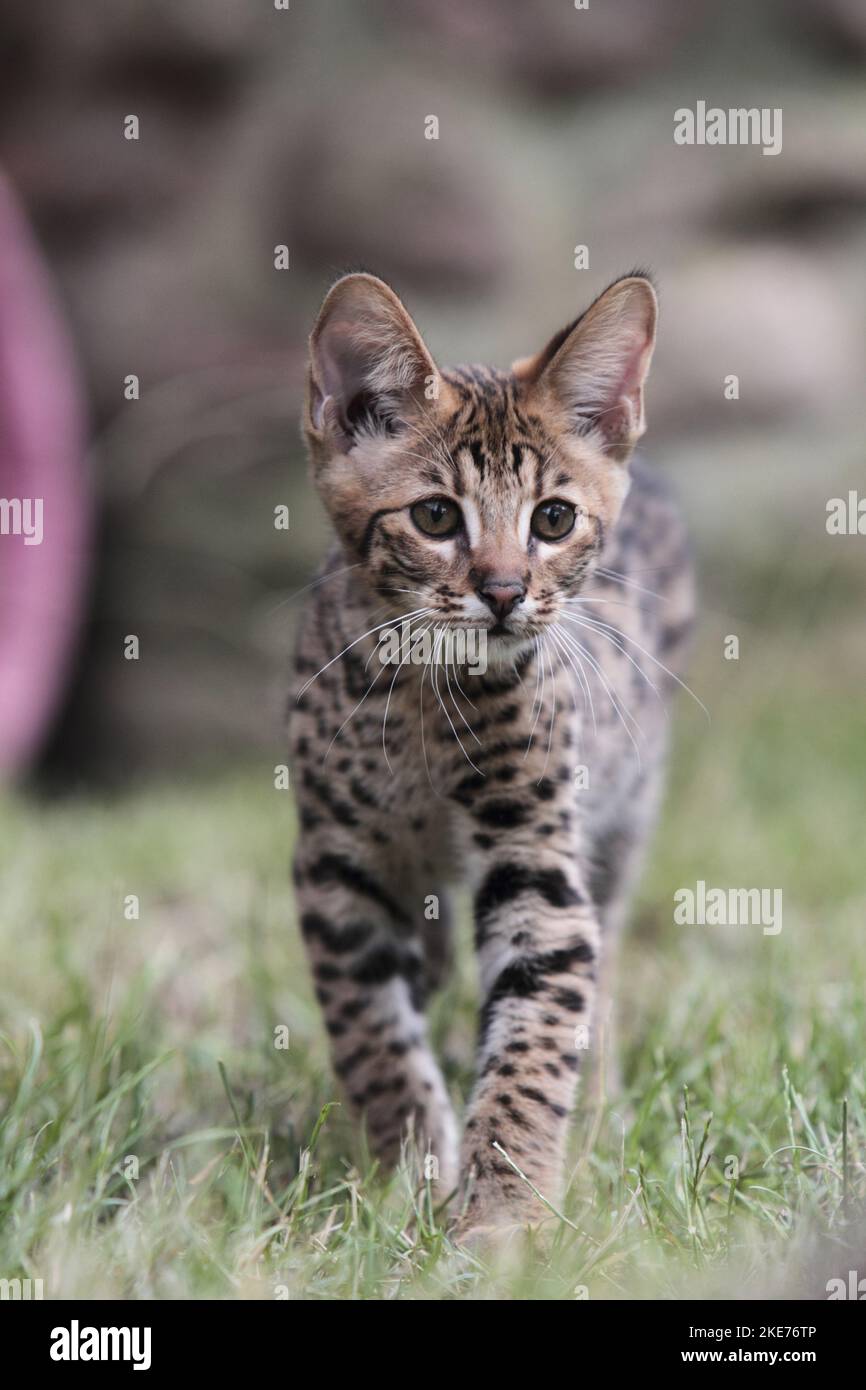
(501, 595)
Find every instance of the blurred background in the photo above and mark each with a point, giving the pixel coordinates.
(305, 128)
(146, 918)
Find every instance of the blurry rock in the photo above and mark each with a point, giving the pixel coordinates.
(774, 318)
(817, 190)
(554, 47)
(66, 88)
(843, 22)
(368, 180)
(159, 37)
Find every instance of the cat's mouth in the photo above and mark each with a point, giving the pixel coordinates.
(503, 628)
(506, 633)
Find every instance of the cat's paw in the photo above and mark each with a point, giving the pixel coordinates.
(497, 1236)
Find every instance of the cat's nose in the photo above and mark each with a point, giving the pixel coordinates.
(501, 595)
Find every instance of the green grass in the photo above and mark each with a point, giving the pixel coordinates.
(151, 1133)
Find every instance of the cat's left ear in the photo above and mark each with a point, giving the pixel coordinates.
(369, 368)
(593, 372)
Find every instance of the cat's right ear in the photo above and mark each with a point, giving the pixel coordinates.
(369, 369)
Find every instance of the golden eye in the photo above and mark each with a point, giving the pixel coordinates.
(552, 521)
(437, 516)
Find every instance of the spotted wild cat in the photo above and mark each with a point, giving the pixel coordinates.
(503, 501)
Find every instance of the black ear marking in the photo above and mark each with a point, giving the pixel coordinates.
(369, 367)
(369, 414)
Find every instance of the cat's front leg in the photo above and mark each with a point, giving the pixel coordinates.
(368, 964)
(538, 940)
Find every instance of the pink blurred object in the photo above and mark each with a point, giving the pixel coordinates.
(42, 585)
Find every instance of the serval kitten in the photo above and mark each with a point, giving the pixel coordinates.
(501, 502)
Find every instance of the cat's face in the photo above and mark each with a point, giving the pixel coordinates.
(474, 498)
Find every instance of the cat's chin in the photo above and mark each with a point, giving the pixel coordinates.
(504, 648)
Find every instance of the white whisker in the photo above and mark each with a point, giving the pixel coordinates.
(388, 702)
(376, 628)
(354, 712)
(539, 676)
(423, 743)
(322, 579)
(590, 626)
(552, 719)
(596, 624)
(613, 698)
(434, 681)
(627, 582)
(554, 633)
(455, 704)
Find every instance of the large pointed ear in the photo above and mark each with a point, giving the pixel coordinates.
(594, 371)
(369, 369)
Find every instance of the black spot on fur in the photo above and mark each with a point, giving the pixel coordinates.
(339, 940)
(528, 975)
(377, 967)
(570, 999)
(503, 814)
(336, 868)
(354, 1059)
(531, 1093)
(505, 882)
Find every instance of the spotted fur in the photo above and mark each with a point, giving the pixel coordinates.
(412, 781)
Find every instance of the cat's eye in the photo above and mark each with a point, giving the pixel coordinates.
(552, 521)
(437, 516)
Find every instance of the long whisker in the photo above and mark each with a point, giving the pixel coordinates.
(597, 624)
(469, 727)
(423, 743)
(539, 675)
(385, 717)
(617, 602)
(434, 681)
(614, 699)
(646, 569)
(376, 628)
(468, 701)
(590, 626)
(354, 711)
(552, 719)
(577, 666)
(375, 648)
(627, 582)
(554, 634)
(388, 701)
(322, 579)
